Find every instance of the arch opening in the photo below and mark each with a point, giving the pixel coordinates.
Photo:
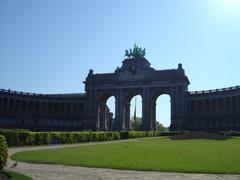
(135, 113)
(106, 113)
(163, 112)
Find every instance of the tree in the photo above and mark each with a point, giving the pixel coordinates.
(135, 124)
(160, 127)
(136, 52)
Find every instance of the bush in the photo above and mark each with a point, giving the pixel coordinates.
(84, 137)
(42, 138)
(25, 138)
(137, 134)
(54, 137)
(12, 136)
(171, 133)
(3, 152)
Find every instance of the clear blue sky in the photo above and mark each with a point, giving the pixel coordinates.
(48, 46)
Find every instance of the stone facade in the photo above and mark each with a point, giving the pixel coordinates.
(135, 77)
(212, 110)
(41, 112)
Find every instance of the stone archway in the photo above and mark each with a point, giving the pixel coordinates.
(135, 76)
(129, 94)
(103, 122)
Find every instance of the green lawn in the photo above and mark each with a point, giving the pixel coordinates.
(15, 176)
(154, 154)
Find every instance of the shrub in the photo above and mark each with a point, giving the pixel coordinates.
(94, 136)
(112, 136)
(138, 134)
(84, 137)
(12, 136)
(3, 152)
(25, 138)
(55, 137)
(124, 134)
(42, 138)
(171, 133)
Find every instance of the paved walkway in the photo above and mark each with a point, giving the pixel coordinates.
(63, 172)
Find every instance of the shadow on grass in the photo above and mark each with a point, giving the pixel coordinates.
(200, 135)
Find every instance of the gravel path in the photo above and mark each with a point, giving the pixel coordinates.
(63, 172)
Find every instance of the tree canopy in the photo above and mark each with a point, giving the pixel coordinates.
(136, 124)
(136, 52)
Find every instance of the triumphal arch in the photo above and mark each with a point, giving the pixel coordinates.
(135, 77)
(205, 110)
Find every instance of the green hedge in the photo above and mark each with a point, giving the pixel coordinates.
(3, 152)
(24, 137)
(15, 137)
(137, 134)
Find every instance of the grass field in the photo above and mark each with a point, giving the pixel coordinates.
(15, 176)
(154, 154)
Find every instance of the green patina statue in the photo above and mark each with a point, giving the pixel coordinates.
(136, 52)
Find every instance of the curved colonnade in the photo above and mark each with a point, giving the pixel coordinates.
(214, 110)
(41, 111)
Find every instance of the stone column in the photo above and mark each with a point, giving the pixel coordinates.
(127, 116)
(1, 106)
(204, 112)
(64, 109)
(217, 107)
(35, 110)
(197, 108)
(237, 104)
(106, 118)
(231, 105)
(188, 107)
(98, 122)
(57, 112)
(7, 106)
(27, 107)
(146, 110)
(192, 108)
(102, 116)
(14, 106)
(71, 110)
(178, 119)
(153, 115)
(119, 123)
(20, 107)
(224, 106)
(210, 107)
(91, 109)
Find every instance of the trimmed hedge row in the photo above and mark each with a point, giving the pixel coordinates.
(15, 137)
(138, 134)
(3, 152)
(24, 137)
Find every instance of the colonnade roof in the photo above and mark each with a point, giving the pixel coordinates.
(65, 95)
(228, 89)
